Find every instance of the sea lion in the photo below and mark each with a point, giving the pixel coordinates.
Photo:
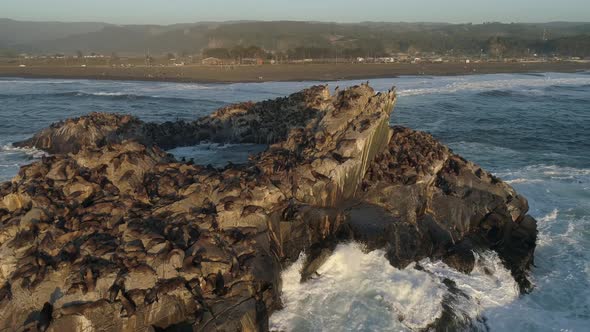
(116, 162)
(39, 277)
(163, 287)
(175, 258)
(5, 292)
(250, 209)
(25, 270)
(77, 287)
(45, 317)
(151, 296)
(126, 177)
(219, 289)
(128, 305)
(89, 279)
(69, 252)
(190, 264)
(79, 308)
(228, 205)
(320, 176)
(117, 286)
(339, 158)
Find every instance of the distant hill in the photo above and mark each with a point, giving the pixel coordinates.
(131, 39)
(370, 38)
(20, 32)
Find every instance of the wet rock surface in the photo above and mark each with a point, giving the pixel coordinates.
(112, 234)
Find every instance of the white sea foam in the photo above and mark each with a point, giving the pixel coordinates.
(38, 81)
(516, 84)
(31, 152)
(550, 217)
(190, 86)
(537, 173)
(561, 171)
(522, 180)
(11, 158)
(105, 93)
(358, 291)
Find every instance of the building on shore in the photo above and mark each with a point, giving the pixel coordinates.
(211, 61)
(252, 61)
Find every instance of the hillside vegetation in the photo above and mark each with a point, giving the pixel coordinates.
(298, 39)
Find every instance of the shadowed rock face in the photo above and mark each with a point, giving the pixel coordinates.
(111, 233)
(451, 207)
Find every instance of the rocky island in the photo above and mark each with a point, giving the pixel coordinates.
(111, 233)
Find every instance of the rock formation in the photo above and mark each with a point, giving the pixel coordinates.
(264, 122)
(112, 234)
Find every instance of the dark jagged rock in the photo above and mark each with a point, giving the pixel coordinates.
(266, 122)
(112, 234)
(451, 204)
(92, 130)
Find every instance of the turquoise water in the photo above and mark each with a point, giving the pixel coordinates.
(531, 130)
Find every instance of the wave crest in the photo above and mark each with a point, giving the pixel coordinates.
(499, 87)
(362, 291)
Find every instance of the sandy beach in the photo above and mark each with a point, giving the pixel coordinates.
(283, 72)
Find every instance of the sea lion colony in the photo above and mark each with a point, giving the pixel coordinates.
(110, 233)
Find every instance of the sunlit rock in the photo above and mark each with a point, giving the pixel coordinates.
(111, 233)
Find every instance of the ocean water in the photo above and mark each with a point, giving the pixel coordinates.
(533, 131)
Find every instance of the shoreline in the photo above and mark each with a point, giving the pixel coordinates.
(283, 72)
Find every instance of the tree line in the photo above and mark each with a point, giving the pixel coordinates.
(493, 47)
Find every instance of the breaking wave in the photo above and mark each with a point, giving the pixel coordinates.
(360, 291)
(36, 81)
(496, 87)
(30, 152)
(129, 96)
(540, 173)
(11, 158)
(113, 96)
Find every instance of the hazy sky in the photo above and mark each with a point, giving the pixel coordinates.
(177, 11)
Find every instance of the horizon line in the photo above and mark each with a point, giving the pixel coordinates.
(294, 21)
